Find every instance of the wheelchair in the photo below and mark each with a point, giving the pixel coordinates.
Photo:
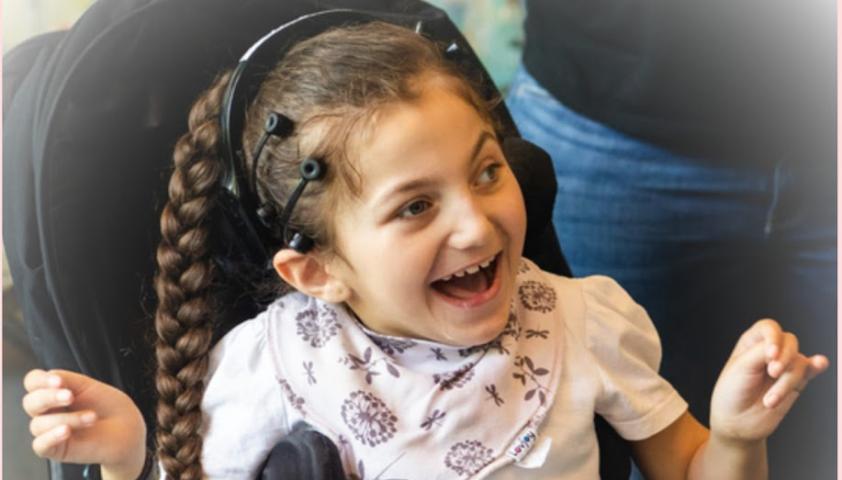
(91, 115)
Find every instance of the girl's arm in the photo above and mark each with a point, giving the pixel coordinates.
(77, 419)
(759, 384)
(686, 449)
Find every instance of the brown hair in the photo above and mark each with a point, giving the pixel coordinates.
(337, 82)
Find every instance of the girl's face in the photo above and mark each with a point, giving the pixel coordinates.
(431, 247)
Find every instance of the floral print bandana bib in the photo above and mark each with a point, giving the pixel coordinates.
(401, 408)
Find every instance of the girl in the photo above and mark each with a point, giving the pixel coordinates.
(417, 338)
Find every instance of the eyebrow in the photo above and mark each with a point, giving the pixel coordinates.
(424, 181)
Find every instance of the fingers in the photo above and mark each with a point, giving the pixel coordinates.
(52, 443)
(792, 380)
(75, 420)
(55, 378)
(43, 400)
(788, 352)
(752, 359)
(766, 331)
(37, 379)
(52, 389)
(50, 431)
(816, 365)
(765, 346)
(800, 371)
(59, 432)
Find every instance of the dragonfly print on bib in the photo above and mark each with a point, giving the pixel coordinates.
(399, 406)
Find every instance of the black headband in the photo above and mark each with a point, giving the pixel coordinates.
(243, 86)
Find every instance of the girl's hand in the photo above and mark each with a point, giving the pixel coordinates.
(760, 383)
(77, 419)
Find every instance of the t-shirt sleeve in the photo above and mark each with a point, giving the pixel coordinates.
(634, 399)
(243, 406)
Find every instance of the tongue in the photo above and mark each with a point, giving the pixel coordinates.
(465, 287)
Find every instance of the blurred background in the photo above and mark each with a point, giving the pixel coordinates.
(493, 27)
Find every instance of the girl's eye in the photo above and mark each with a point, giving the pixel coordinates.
(490, 174)
(414, 209)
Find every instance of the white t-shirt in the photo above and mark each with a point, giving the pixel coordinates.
(611, 357)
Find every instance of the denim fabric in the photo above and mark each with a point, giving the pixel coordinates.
(707, 248)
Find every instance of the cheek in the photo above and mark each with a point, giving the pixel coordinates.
(514, 216)
(398, 265)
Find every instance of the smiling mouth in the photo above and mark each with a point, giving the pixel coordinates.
(470, 287)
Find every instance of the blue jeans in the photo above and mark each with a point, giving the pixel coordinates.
(707, 248)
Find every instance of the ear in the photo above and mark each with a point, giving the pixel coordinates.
(307, 274)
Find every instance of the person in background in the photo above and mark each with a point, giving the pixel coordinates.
(694, 147)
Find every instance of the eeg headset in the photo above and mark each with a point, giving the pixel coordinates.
(258, 224)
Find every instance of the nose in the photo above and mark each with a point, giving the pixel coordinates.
(472, 226)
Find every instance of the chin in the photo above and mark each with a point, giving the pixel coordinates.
(479, 335)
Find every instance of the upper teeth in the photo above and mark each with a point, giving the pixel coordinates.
(469, 270)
